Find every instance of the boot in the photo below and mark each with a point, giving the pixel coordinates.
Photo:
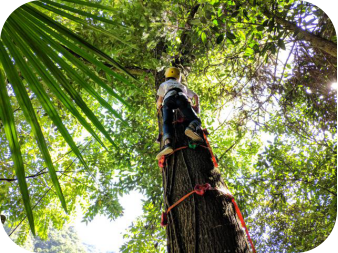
(190, 131)
(167, 149)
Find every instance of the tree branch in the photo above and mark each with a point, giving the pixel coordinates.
(315, 40)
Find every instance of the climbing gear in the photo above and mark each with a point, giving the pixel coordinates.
(167, 149)
(243, 223)
(193, 145)
(161, 162)
(173, 92)
(200, 190)
(172, 72)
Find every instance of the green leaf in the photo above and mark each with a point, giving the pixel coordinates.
(281, 44)
(64, 82)
(203, 37)
(208, 14)
(43, 97)
(7, 117)
(220, 38)
(26, 106)
(230, 35)
(81, 21)
(83, 54)
(69, 34)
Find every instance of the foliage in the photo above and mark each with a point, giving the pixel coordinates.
(266, 99)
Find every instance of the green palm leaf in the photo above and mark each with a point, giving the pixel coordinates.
(43, 97)
(7, 117)
(68, 33)
(81, 53)
(32, 40)
(31, 32)
(40, 49)
(83, 13)
(25, 104)
(90, 4)
(79, 20)
(45, 32)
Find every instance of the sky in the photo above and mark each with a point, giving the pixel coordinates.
(106, 235)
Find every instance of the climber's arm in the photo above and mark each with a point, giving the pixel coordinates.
(159, 102)
(192, 95)
(196, 105)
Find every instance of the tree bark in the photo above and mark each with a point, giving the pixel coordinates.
(207, 223)
(315, 40)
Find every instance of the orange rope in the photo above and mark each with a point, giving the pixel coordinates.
(180, 200)
(183, 147)
(212, 154)
(243, 224)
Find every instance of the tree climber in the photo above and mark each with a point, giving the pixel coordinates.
(174, 95)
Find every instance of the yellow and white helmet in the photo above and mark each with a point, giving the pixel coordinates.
(173, 72)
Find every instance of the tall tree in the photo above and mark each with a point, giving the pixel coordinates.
(234, 58)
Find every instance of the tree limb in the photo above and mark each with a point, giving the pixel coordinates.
(315, 40)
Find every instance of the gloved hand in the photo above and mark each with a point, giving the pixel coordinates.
(196, 108)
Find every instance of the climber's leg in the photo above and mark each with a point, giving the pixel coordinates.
(191, 117)
(167, 113)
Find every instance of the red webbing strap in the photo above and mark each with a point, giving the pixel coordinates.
(161, 162)
(179, 120)
(212, 154)
(243, 224)
(180, 200)
(183, 147)
(199, 189)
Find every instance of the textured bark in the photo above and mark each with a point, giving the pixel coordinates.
(207, 223)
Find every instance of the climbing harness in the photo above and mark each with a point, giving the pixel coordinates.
(200, 190)
(161, 161)
(191, 145)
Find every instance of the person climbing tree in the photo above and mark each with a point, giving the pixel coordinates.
(174, 95)
(200, 213)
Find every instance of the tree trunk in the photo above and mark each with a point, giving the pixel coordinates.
(205, 224)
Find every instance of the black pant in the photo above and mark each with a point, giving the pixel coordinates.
(173, 102)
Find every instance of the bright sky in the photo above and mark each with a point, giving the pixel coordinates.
(107, 235)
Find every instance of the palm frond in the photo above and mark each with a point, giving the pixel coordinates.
(30, 45)
(83, 13)
(68, 33)
(7, 117)
(26, 105)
